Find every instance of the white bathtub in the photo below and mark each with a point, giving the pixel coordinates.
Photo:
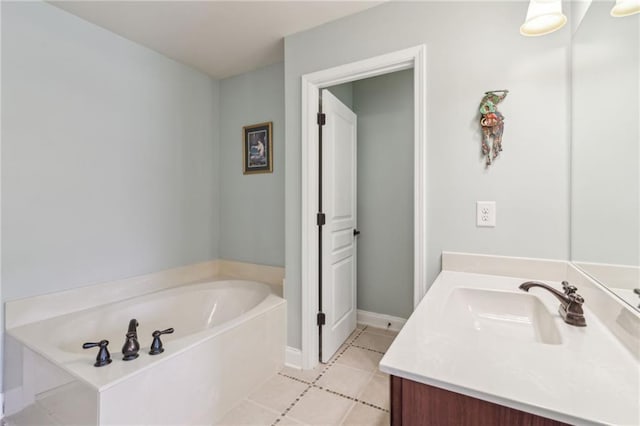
(229, 337)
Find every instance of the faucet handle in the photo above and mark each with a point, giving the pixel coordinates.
(571, 292)
(575, 298)
(156, 345)
(104, 357)
(568, 288)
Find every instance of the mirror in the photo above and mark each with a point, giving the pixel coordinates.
(605, 217)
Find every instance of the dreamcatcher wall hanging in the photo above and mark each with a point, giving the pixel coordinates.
(492, 122)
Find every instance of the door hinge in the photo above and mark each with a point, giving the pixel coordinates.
(322, 119)
(321, 318)
(321, 219)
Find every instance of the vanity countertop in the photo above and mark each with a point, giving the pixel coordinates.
(584, 376)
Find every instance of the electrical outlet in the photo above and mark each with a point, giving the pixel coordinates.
(486, 214)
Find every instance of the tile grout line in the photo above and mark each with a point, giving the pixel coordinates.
(332, 361)
(369, 349)
(312, 383)
(295, 378)
(258, 404)
(350, 344)
(351, 398)
(295, 401)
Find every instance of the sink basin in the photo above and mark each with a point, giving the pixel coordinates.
(508, 315)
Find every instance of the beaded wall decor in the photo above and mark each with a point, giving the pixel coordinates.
(492, 122)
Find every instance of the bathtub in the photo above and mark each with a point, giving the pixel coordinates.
(229, 337)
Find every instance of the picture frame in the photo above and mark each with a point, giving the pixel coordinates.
(257, 148)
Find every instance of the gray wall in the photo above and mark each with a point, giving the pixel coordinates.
(471, 48)
(384, 106)
(605, 215)
(344, 92)
(109, 156)
(252, 206)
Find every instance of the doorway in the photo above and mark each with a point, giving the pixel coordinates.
(311, 84)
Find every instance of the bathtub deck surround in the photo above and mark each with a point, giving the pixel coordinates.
(31, 309)
(348, 390)
(458, 340)
(238, 323)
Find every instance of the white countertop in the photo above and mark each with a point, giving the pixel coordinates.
(588, 378)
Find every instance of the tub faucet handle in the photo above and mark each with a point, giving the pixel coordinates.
(156, 345)
(104, 357)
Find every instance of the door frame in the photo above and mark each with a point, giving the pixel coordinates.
(414, 57)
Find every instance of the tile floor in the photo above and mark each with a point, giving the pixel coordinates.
(348, 390)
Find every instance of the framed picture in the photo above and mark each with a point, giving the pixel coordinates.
(257, 148)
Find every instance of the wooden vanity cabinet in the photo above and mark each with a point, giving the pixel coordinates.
(417, 404)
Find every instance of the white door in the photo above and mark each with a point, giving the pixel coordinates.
(338, 285)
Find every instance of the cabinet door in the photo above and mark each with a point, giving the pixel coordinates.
(416, 404)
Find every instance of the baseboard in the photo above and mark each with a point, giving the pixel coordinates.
(383, 321)
(293, 357)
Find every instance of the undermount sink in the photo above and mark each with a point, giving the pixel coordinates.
(503, 314)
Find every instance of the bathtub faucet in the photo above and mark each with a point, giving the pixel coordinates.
(133, 324)
(131, 345)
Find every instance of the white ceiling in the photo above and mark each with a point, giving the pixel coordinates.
(220, 38)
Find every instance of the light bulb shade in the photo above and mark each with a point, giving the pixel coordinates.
(543, 17)
(625, 8)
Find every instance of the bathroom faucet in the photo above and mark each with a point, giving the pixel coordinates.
(133, 327)
(131, 345)
(570, 302)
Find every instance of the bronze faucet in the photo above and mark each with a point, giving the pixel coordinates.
(131, 345)
(570, 302)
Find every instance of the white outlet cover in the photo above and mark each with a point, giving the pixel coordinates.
(486, 214)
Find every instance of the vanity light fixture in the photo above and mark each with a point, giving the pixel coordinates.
(544, 17)
(625, 8)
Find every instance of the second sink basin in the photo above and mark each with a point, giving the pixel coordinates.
(509, 315)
